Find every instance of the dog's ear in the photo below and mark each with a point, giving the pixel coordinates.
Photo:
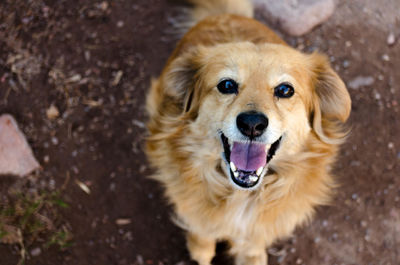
(182, 80)
(331, 103)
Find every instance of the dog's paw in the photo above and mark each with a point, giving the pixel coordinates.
(201, 249)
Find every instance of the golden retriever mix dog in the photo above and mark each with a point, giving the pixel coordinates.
(243, 132)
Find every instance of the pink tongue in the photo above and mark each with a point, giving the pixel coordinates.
(248, 156)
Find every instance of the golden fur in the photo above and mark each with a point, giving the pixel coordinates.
(187, 111)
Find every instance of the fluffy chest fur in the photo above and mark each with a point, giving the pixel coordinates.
(190, 167)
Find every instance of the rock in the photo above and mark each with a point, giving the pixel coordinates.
(391, 39)
(16, 156)
(361, 81)
(52, 112)
(36, 252)
(385, 57)
(296, 17)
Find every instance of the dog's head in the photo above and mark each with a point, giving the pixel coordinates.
(260, 102)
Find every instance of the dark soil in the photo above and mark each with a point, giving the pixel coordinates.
(70, 54)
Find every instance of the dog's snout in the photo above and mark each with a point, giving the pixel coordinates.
(251, 123)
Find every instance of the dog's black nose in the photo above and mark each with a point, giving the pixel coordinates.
(251, 123)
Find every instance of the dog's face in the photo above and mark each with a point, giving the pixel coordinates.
(256, 103)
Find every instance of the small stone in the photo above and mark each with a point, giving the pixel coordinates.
(120, 24)
(104, 5)
(52, 112)
(361, 81)
(87, 55)
(36, 252)
(346, 64)
(75, 170)
(390, 145)
(386, 57)
(54, 140)
(74, 79)
(363, 223)
(296, 17)
(139, 259)
(16, 156)
(123, 221)
(46, 159)
(391, 39)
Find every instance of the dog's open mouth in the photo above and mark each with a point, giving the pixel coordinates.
(248, 162)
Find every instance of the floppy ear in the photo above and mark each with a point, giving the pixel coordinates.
(182, 80)
(331, 101)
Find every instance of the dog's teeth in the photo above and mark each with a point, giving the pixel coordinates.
(236, 174)
(233, 167)
(253, 178)
(259, 171)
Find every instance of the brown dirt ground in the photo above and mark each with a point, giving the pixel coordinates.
(69, 53)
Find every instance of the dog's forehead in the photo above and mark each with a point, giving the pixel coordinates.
(270, 63)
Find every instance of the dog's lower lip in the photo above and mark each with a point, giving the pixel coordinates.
(244, 179)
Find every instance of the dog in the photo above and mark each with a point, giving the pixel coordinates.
(243, 132)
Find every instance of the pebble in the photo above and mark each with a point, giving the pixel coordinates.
(16, 157)
(385, 57)
(52, 112)
(296, 17)
(54, 140)
(36, 252)
(361, 81)
(363, 223)
(391, 39)
(139, 259)
(123, 221)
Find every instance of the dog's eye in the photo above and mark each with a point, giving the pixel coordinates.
(284, 91)
(228, 86)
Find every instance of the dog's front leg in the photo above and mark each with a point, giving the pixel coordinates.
(247, 253)
(201, 249)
